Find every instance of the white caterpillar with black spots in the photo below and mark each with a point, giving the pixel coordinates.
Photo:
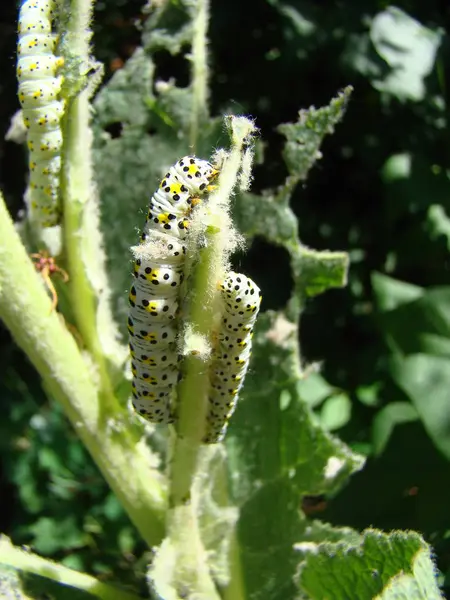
(39, 90)
(241, 299)
(154, 296)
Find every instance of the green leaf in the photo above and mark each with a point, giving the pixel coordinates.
(336, 412)
(305, 137)
(369, 395)
(270, 215)
(168, 27)
(408, 48)
(124, 99)
(379, 567)
(426, 381)
(281, 454)
(403, 304)
(270, 523)
(51, 535)
(275, 443)
(391, 293)
(438, 223)
(315, 272)
(318, 532)
(267, 215)
(313, 389)
(386, 420)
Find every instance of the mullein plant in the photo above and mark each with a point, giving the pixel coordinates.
(190, 321)
(79, 359)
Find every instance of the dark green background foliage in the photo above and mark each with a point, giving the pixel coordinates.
(380, 191)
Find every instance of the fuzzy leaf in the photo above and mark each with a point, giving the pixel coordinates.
(305, 137)
(281, 454)
(271, 217)
(391, 566)
(137, 137)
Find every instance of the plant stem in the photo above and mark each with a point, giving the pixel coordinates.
(199, 74)
(191, 565)
(40, 332)
(219, 241)
(30, 563)
(82, 238)
(79, 237)
(193, 389)
(235, 590)
(201, 318)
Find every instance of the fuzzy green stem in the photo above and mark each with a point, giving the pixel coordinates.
(26, 310)
(191, 564)
(235, 590)
(219, 240)
(82, 238)
(30, 563)
(77, 237)
(182, 526)
(193, 389)
(199, 74)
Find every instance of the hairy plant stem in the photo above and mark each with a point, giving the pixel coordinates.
(31, 563)
(235, 590)
(218, 240)
(82, 237)
(101, 421)
(26, 310)
(77, 190)
(199, 73)
(182, 523)
(193, 389)
(202, 318)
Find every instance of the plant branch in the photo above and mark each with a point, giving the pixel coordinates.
(26, 310)
(219, 241)
(212, 225)
(89, 292)
(199, 74)
(31, 563)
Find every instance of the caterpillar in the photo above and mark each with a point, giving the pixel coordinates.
(39, 89)
(241, 299)
(154, 295)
